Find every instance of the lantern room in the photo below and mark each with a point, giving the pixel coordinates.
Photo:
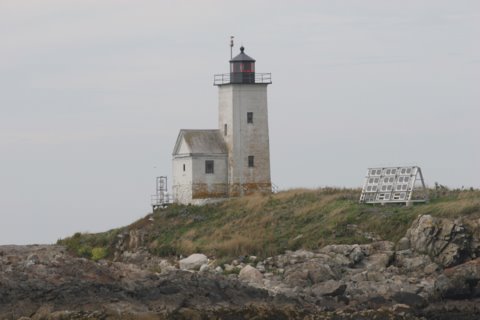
(242, 68)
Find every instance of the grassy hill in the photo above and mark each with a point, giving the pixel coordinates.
(265, 225)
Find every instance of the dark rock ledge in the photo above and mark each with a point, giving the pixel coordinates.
(431, 273)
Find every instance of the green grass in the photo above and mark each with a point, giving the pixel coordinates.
(265, 225)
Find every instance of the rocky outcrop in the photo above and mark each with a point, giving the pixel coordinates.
(431, 273)
(448, 242)
(44, 282)
(407, 276)
(356, 272)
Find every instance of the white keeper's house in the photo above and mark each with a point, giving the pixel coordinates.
(233, 160)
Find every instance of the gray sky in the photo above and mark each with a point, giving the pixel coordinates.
(93, 94)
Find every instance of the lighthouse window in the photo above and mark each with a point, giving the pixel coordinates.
(249, 117)
(250, 161)
(225, 129)
(247, 67)
(235, 67)
(184, 167)
(208, 166)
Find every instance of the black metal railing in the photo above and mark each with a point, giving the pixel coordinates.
(228, 78)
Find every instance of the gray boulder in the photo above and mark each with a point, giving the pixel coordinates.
(330, 288)
(193, 262)
(408, 261)
(410, 299)
(204, 268)
(378, 261)
(460, 282)
(318, 269)
(318, 272)
(403, 244)
(251, 275)
(356, 255)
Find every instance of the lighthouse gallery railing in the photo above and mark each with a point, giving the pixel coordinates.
(225, 78)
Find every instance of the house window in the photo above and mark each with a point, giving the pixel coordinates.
(249, 117)
(208, 166)
(184, 167)
(250, 161)
(225, 129)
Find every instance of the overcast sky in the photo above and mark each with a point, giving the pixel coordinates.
(93, 94)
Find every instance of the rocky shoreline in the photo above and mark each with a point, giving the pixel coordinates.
(431, 273)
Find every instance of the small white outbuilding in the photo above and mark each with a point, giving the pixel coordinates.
(199, 166)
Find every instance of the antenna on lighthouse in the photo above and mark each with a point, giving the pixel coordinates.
(231, 46)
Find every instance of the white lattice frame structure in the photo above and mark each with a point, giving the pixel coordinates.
(161, 198)
(393, 185)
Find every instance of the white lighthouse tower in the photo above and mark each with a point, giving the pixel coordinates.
(243, 123)
(233, 160)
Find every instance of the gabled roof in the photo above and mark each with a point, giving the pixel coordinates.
(200, 142)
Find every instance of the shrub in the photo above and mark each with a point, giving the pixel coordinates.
(84, 251)
(99, 253)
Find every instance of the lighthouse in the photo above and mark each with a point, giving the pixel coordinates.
(243, 119)
(233, 160)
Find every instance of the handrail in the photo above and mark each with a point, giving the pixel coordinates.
(219, 79)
